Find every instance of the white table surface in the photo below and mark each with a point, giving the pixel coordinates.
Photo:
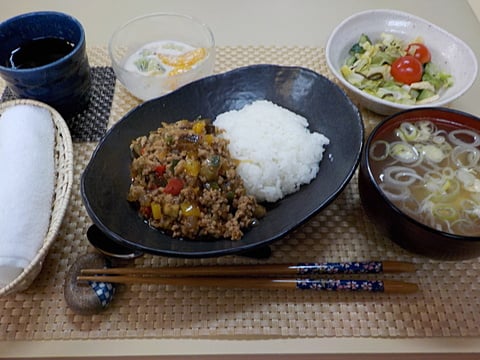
(260, 22)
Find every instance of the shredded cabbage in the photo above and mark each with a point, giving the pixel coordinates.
(368, 68)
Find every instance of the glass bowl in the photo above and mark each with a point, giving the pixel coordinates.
(187, 53)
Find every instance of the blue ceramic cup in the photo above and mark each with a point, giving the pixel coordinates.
(43, 57)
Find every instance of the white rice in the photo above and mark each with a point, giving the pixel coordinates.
(277, 152)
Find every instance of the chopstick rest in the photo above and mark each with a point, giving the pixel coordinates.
(90, 297)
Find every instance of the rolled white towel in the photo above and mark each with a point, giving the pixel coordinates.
(27, 177)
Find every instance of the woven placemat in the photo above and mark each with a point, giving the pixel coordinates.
(91, 123)
(448, 304)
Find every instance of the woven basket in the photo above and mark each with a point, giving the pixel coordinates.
(63, 188)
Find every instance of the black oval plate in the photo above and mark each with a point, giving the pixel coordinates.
(106, 179)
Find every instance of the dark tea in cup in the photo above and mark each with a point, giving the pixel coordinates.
(43, 57)
(39, 52)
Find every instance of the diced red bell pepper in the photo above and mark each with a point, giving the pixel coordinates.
(160, 170)
(146, 211)
(174, 186)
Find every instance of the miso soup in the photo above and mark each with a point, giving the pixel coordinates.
(430, 169)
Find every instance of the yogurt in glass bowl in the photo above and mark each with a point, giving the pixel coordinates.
(155, 54)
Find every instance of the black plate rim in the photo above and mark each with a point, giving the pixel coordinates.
(244, 247)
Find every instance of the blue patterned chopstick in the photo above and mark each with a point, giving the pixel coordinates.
(356, 285)
(302, 269)
(341, 285)
(262, 283)
(358, 267)
(250, 276)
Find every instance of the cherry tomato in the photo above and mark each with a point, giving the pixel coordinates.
(420, 51)
(407, 69)
(174, 186)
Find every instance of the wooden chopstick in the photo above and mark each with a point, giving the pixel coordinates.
(370, 267)
(388, 286)
(250, 276)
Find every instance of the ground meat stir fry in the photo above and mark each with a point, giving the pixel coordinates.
(184, 182)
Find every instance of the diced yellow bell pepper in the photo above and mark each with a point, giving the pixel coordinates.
(199, 127)
(208, 139)
(192, 167)
(156, 210)
(189, 209)
(171, 210)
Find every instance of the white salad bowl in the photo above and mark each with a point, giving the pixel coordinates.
(449, 53)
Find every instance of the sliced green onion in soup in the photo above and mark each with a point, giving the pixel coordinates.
(400, 176)
(465, 156)
(425, 130)
(379, 150)
(404, 152)
(395, 193)
(432, 152)
(445, 212)
(469, 181)
(464, 137)
(448, 190)
(470, 208)
(407, 131)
